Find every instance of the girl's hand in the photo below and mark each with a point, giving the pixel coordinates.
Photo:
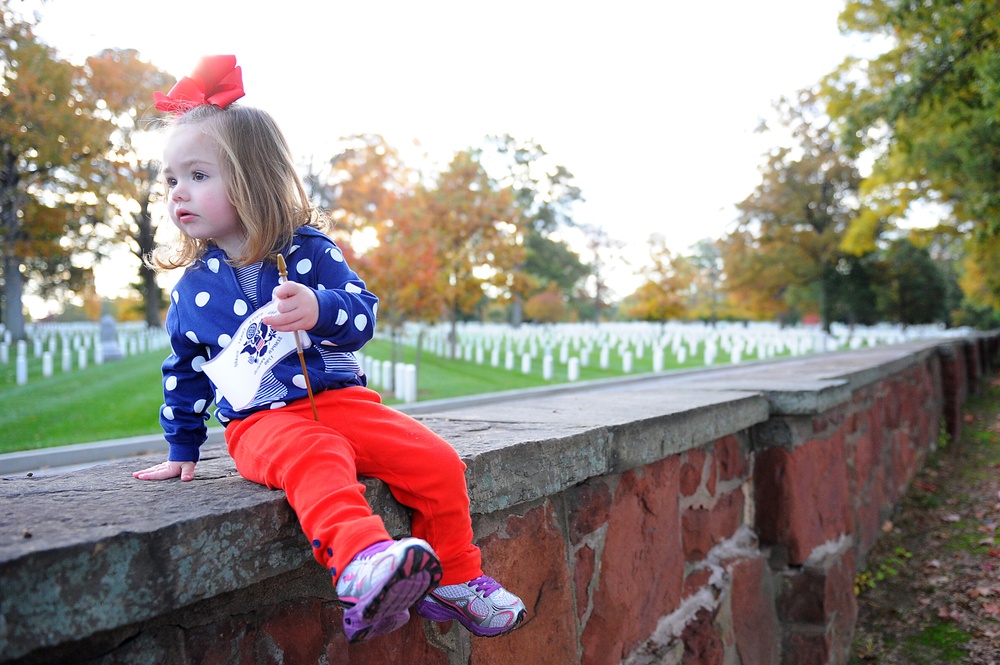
(297, 306)
(166, 470)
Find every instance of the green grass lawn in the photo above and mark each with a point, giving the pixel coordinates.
(122, 398)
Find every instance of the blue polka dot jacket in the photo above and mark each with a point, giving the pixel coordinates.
(208, 305)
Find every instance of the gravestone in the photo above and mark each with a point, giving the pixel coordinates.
(109, 339)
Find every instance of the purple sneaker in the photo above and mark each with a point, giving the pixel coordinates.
(481, 605)
(380, 584)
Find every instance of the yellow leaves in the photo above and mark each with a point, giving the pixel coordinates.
(859, 239)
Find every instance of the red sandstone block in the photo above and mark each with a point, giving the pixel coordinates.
(692, 471)
(803, 496)
(642, 566)
(819, 601)
(731, 459)
(756, 631)
(589, 506)
(727, 515)
(704, 528)
(696, 580)
(702, 643)
(806, 649)
(696, 527)
(295, 631)
(527, 554)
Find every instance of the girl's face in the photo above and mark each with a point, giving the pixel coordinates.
(196, 190)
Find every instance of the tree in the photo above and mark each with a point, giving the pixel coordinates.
(124, 84)
(706, 298)
(914, 289)
(372, 193)
(477, 240)
(853, 290)
(790, 229)
(52, 136)
(403, 268)
(544, 196)
(361, 182)
(548, 306)
(663, 294)
(927, 109)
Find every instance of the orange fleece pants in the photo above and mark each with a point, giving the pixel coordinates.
(317, 464)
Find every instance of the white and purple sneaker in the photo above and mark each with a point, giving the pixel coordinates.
(382, 582)
(482, 605)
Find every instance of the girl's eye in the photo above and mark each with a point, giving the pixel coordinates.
(171, 182)
(199, 176)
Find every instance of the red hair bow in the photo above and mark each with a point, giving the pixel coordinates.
(217, 81)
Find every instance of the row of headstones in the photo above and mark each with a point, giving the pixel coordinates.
(573, 344)
(576, 352)
(398, 378)
(75, 346)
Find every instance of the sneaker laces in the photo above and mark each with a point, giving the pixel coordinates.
(486, 584)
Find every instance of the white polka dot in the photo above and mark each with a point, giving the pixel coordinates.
(336, 254)
(293, 248)
(202, 298)
(197, 362)
(341, 317)
(199, 406)
(223, 419)
(327, 342)
(299, 381)
(176, 296)
(168, 413)
(320, 287)
(224, 340)
(213, 265)
(240, 307)
(352, 288)
(375, 309)
(360, 321)
(303, 266)
(170, 383)
(192, 335)
(277, 405)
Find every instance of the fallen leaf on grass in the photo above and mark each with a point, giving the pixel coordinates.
(953, 517)
(980, 591)
(994, 553)
(990, 608)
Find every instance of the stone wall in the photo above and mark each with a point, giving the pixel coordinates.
(711, 517)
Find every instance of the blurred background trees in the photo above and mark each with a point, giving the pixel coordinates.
(835, 231)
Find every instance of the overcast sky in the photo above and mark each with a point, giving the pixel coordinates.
(652, 105)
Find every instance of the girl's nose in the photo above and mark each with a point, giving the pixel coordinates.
(177, 193)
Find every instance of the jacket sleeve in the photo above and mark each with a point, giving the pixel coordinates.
(187, 393)
(347, 310)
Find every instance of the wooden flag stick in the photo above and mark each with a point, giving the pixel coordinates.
(283, 273)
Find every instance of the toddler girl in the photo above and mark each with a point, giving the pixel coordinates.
(307, 425)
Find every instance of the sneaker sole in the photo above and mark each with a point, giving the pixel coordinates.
(417, 573)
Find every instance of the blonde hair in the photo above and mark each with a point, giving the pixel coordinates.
(261, 182)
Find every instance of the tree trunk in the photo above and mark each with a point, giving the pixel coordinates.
(13, 313)
(152, 294)
(10, 234)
